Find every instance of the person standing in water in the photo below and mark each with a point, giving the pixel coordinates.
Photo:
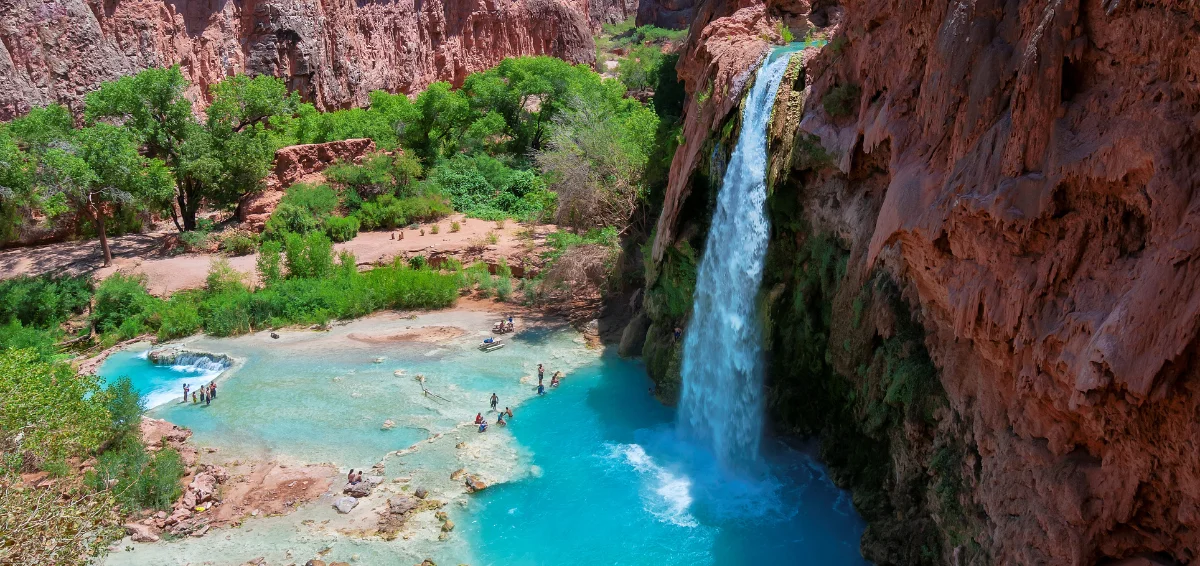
(203, 395)
(508, 412)
(212, 390)
(185, 392)
(495, 401)
(541, 373)
(194, 398)
(541, 389)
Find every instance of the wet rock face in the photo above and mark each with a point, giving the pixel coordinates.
(333, 53)
(1024, 172)
(1037, 203)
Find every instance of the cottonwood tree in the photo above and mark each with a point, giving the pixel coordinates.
(595, 159)
(151, 104)
(96, 169)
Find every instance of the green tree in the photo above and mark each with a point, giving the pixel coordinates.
(152, 105)
(97, 169)
(16, 181)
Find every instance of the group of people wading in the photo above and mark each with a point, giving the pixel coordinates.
(204, 394)
(502, 416)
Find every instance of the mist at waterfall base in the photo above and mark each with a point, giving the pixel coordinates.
(721, 406)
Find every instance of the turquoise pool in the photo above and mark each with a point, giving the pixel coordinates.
(594, 472)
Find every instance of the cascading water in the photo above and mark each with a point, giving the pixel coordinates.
(722, 401)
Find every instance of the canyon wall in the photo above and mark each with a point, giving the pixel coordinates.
(333, 53)
(983, 268)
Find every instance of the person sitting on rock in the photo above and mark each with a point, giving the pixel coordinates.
(478, 418)
(554, 381)
(500, 420)
(483, 426)
(350, 477)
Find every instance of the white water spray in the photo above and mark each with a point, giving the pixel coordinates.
(722, 401)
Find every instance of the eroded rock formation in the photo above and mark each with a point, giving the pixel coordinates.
(1022, 175)
(334, 53)
(294, 164)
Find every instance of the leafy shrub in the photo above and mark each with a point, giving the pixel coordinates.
(40, 341)
(177, 317)
(120, 300)
(268, 264)
(289, 218)
(125, 408)
(841, 100)
(309, 256)
(239, 243)
(784, 33)
(379, 174)
(484, 187)
(222, 277)
(388, 212)
(139, 479)
(320, 200)
(341, 229)
(43, 301)
(49, 413)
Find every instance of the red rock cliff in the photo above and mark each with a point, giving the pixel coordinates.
(333, 52)
(1026, 172)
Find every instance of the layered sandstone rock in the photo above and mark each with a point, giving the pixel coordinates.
(294, 163)
(334, 53)
(1024, 172)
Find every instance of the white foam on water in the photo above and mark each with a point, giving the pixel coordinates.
(672, 499)
(193, 369)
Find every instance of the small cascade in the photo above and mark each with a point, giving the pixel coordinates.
(722, 401)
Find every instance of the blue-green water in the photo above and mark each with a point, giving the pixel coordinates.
(618, 487)
(596, 474)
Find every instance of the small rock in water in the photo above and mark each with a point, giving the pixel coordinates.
(345, 504)
(260, 561)
(460, 445)
(441, 515)
(421, 493)
(315, 562)
(275, 335)
(457, 474)
(388, 425)
(448, 526)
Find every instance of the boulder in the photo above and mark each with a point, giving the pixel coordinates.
(315, 562)
(141, 533)
(204, 486)
(448, 526)
(360, 489)
(475, 484)
(345, 504)
(401, 504)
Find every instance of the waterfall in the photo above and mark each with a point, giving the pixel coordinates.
(722, 401)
